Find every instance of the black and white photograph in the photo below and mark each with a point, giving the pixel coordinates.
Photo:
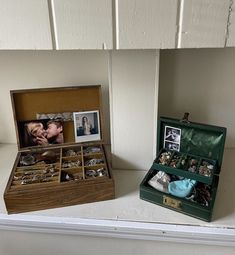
(172, 138)
(86, 126)
(172, 146)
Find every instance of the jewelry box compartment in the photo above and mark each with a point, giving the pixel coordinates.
(83, 163)
(198, 203)
(41, 167)
(51, 166)
(62, 159)
(188, 149)
(186, 165)
(57, 177)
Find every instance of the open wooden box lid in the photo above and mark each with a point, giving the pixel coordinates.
(59, 103)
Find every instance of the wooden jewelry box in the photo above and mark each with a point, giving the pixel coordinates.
(185, 174)
(61, 159)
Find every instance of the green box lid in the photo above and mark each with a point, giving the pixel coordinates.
(205, 141)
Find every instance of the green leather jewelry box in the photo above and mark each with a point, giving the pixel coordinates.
(185, 174)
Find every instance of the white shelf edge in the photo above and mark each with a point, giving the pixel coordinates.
(187, 234)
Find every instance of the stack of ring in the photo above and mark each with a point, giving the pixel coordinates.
(92, 150)
(96, 173)
(94, 161)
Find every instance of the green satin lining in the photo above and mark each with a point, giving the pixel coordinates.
(200, 142)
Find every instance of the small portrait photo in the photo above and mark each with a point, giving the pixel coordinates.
(172, 146)
(41, 132)
(172, 134)
(172, 138)
(86, 126)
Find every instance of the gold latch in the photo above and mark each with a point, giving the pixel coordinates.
(185, 118)
(172, 202)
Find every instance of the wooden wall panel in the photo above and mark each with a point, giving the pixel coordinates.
(24, 24)
(146, 24)
(203, 23)
(83, 24)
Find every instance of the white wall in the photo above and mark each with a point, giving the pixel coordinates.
(196, 80)
(134, 100)
(202, 82)
(131, 75)
(34, 69)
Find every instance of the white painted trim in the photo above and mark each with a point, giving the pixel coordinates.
(156, 100)
(180, 23)
(117, 24)
(111, 100)
(53, 17)
(187, 234)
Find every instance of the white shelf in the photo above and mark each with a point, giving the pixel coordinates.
(127, 216)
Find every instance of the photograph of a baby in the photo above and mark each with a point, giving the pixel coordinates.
(86, 126)
(43, 132)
